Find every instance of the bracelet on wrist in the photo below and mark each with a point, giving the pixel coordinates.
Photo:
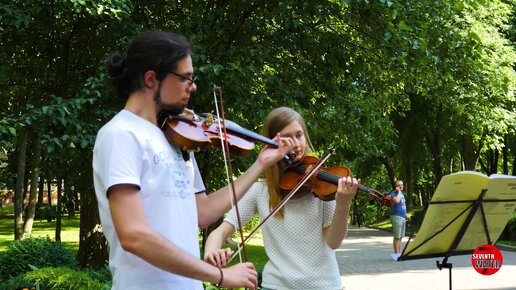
(221, 278)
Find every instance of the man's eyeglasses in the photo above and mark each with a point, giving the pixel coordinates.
(191, 80)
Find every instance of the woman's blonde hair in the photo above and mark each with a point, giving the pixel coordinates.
(275, 121)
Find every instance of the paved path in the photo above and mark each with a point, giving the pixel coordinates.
(365, 264)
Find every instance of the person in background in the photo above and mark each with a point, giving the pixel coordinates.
(398, 217)
(150, 194)
(301, 238)
(359, 217)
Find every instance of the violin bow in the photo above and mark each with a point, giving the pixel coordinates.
(312, 171)
(217, 91)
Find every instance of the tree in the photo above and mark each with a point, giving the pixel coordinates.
(49, 55)
(400, 89)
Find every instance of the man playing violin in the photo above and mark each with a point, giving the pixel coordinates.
(301, 238)
(151, 199)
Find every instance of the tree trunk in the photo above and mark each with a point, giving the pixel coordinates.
(431, 190)
(41, 188)
(59, 209)
(68, 198)
(494, 154)
(20, 179)
(514, 165)
(93, 247)
(392, 179)
(410, 187)
(31, 207)
(433, 140)
(505, 156)
(49, 189)
(468, 152)
(390, 171)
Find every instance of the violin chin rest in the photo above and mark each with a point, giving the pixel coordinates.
(325, 197)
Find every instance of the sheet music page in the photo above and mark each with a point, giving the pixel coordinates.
(443, 221)
(463, 185)
(497, 212)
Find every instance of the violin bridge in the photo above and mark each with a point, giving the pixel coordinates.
(209, 119)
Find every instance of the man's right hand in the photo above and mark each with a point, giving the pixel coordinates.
(240, 275)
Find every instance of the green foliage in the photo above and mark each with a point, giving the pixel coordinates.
(48, 87)
(16, 283)
(57, 278)
(401, 89)
(102, 274)
(416, 217)
(509, 233)
(45, 212)
(38, 252)
(252, 224)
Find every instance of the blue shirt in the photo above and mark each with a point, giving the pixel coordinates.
(399, 209)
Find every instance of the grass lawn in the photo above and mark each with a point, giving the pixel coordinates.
(255, 251)
(41, 228)
(70, 235)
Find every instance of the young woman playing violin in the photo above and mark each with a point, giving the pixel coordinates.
(299, 240)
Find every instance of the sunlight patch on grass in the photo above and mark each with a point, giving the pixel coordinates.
(41, 228)
(382, 225)
(507, 243)
(255, 251)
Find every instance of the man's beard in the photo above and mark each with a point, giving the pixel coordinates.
(171, 109)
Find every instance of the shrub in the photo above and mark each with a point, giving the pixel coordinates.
(45, 212)
(252, 224)
(416, 216)
(56, 278)
(15, 283)
(39, 252)
(509, 233)
(102, 274)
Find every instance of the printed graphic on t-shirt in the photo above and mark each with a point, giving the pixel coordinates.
(180, 175)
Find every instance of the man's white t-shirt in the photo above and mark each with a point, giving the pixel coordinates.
(131, 150)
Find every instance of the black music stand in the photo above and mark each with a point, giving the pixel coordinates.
(467, 210)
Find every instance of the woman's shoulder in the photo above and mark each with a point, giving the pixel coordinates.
(256, 193)
(259, 186)
(258, 190)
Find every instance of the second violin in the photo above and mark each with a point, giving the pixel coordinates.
(323, 184)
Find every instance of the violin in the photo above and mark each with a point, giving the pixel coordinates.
(192, 132)
(323, 184)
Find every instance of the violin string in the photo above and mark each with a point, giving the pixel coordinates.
(331, 177)
(229, 172)
(312, 171)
